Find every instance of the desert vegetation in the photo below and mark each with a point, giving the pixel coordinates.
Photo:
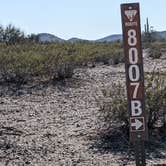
(24, 60)
(44, 123)
(21, 63)
(113, 104)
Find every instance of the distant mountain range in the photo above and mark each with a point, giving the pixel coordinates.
(110, 38)
(74, 40)
(46, 37)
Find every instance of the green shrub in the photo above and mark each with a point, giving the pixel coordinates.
(155, 48)
(23, 63)
(156, 99)
(55, 61)
(19, 67)
(155, 53)
(113, 103)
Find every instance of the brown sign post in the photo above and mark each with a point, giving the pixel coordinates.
(134, 78)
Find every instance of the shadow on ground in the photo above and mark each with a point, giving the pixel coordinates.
(156, 149)
(117, 142)
(11, 89)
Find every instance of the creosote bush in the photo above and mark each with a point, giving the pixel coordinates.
(155, 49)
(113, 109)
(113, 105)
(25, 63)
(156, 99)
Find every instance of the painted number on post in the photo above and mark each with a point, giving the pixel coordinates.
(134, 70)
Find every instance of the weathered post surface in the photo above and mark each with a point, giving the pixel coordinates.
(130, 14)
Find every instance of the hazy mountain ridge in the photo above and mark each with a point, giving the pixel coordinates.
(46, 38)
(75, 39)
(161, 34)
(110, 38)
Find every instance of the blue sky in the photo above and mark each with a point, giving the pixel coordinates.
(88, 19)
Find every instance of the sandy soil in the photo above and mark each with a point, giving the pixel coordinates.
(56, 125)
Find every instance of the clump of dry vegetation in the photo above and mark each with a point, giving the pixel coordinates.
(114, 111)
(157, 49)
(21, 63)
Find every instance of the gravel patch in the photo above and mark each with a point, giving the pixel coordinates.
(57, 125)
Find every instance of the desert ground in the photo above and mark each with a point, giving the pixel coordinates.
(57, 125)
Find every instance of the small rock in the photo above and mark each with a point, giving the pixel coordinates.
(21, 92)
(163, 56)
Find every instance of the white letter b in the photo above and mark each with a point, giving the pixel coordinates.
(136, 109)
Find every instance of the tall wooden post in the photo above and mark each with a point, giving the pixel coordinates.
(134, 78)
